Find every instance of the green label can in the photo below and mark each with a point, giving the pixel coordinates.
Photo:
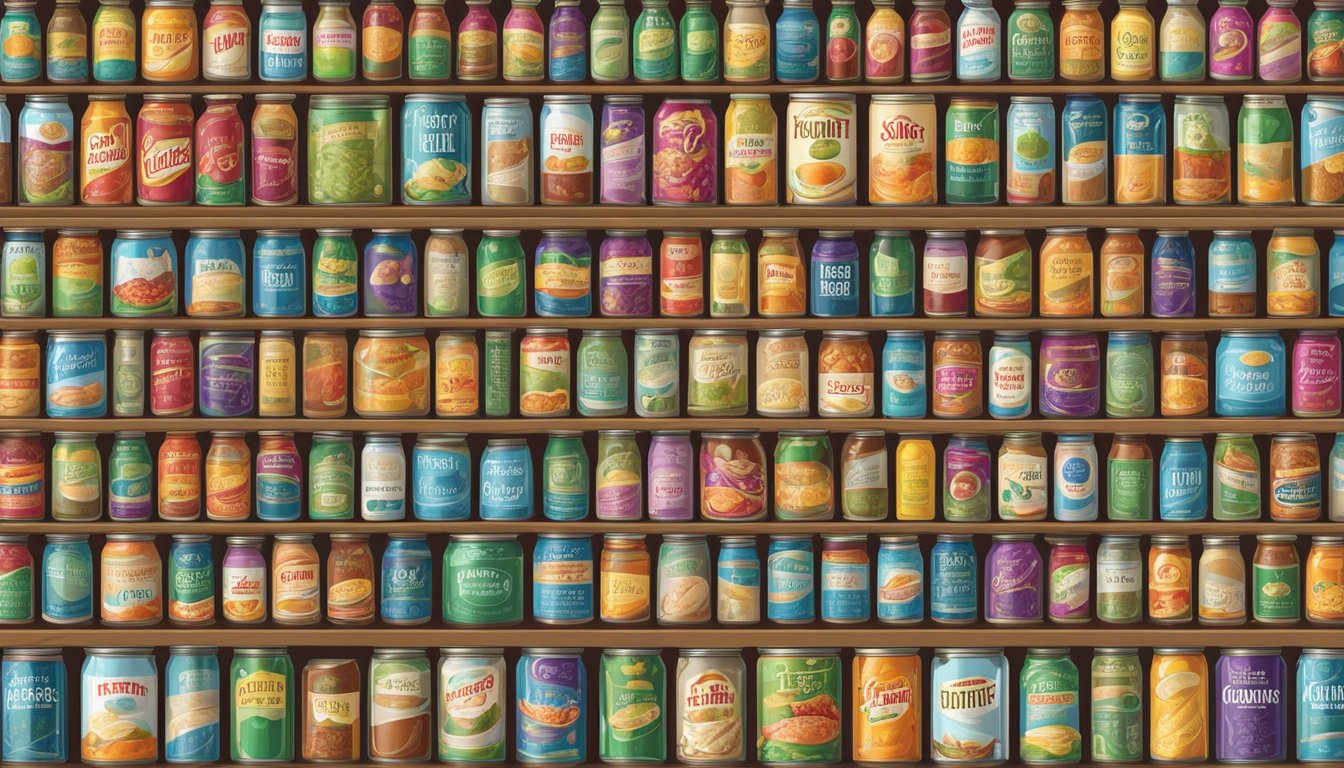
(483, 580)
(498, 372)
(261, 720)
(602, 374)
(16, 581)
(130, 473)
(1119, 580)
(972, 163)
(564, 477)
(1129, 484)
(1276, 596)
(429, 46)
(609, 39)
(331, 477)
(473, 691)
(401, 706)
(1236, 478)
(335, 38)
(501, 279)
(1117, 706)
(683, 580)
(699, 44)
(798, 689)
(633, 700)
(657, 373)
(655, 44)
(1031, 42)
(191, 580)
(1049, 708)
(1129, 374)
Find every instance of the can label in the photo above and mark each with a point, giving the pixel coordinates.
(562, 578)
(969, 715)
(35, 702)
(900, 585)
(789, 593)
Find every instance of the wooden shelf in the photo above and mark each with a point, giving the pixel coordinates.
(707, 527)
(659, 90)
(597, 217)
(517, 426)
(1096, 324)
(597, 635)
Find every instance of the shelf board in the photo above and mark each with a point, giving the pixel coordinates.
(517, 426)
(597, 635)
(596, 217)
(502, 88)
(1098, 324)
(652, 527)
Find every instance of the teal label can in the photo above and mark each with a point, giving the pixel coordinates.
(483, 580)
(67, 579)
(564, 477)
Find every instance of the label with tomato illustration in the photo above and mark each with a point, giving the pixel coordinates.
(105, 168)
(219, 154)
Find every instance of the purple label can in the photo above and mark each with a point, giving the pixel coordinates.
(1250, 706)
(1013, 580)
(1173, 274)
(1280, 44)
(228, 364)
(1070, 375)
(390, 288)
(625, 274)
(1231, 42)
(622, 150)
(685, 153)
(670, 481)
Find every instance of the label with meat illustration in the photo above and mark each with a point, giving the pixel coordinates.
(798, 709)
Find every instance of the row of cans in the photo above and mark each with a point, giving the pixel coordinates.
(810, 475)
(399, 374)
(798, 582)
(1004, 274)
(807, 476)
(696, 712)
(569, 47)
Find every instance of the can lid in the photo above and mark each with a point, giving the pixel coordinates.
(727, 652)
(193, 650)
(886, 651)
(1251, 651)
(452, 651)
(798, 651)
(632, 651)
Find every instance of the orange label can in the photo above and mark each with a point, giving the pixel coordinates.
(887, 714)
(228, 477)
(681, 271)
(180, 477)
(132, 580)
(105, 170)
(326, 374)
(1324, 589)
(457, 375)
(1179, 730)
(20, 375)
(168, 49)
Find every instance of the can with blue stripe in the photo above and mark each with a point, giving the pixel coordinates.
(790, 568)
(1183, 484)
(407, 580)
(1075, 485)
(279, 280)
(562, 578)
(900, 580)
(441, 477)
(191, 704)
(739, 581)
(904, 391)
(435, 149)
(506, 480)
(1320, 689)
(954, 574)
(216, 273)
(76, 375)
(335, 274)
(835, 275)
(67, 579)
(33, 729)
(846, 590)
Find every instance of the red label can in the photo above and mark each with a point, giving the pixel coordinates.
(22, 476)
(219, 153)
(163, 161)
(172, 374)
(180, 476)
(681, 271)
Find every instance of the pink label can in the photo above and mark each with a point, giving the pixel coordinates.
(1316, 374)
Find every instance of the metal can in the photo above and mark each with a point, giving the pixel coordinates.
(472, 706)
(1129, 375)
(710, 706)
(544, 381)
(738, 576)
(274, 178)
(632, 699)
(457, 375)
(226, 382)
(602, 373)
(1117, 706)
(1179, 700)
(900, 580)
(279, 282)
(820, 149)
(1222, 582)
(1030, 176)
(567, 152)
(124, 681)
(887, 711)
(789, 682)
(191, 580)
(1265, 152)
(282, 42)
(863, 476)
(562, 577)
(1014, 576)
(657, 373)
(441, 476)
(1070, 577)
(619, 476)
(130, 471)
(37, 696)
(349, 149)
(717, 383)
(67, 583)
(564, 274)
(969, 712)
(904, 378)
(1202, 152)
(552, 703)
(804, 475)
(296, 579)
(179, 477)
(891, 274)
(1183, 479)
(1316, 686)
(845, 374)
(243, 580)
(331, 476)
(1173, 274)
(191, 704)
(972, 151)
(1139, 148)
(220, 153)
(215, 278)
(1171, 580)
(1084, 172)
(1010, 375)
(407, 578)
(329, 722)
(17, 579)
(262, 705)
(966, 479)
(382, 464)
(625, 274)
(670, 482)
(447, 277)
(335, 274)
(1251, 377)
(1119, 580)
(954, 578)
(436, 150)
(1251, 696)
(131, 579)
(350, 576)
(484, 578)
(790, 569)
(501, 276)
(391, 374)
(846, 591)
(76, 374)
(1049, 708)
(1316, 374)
(508, 154)
(734, 476)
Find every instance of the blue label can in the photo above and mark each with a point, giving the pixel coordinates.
(191, 704)
(1172, 284)
(835, 275)
(1010, 375)
(1031, 150)
(216, 272)
(900, 580)
(1083, 135)
(739, 581)
(1140, 150)
(407, 580)
(1075, 491)
(1320, 689)
(76, 375)
(979, 37)
(191, 580)
(34, 722)
(435, 149)
(904, 393)
(846, 591)
(567, 44)
(506, 480)
(335, 274)
(124, 681)
(279, 279)
(953, 576)
(552, 680)
(1250, 369)
(1183, 479)
(1232, 268)
(282, 45)
(1335, 304)
(797, 44)
(67, 579)
(790, 568)
(969, 699)
(562, 578)
(441, 478)
(23, 274)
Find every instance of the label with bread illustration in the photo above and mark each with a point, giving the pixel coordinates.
(683, 580)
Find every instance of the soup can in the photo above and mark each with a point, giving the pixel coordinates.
(683, 587)
(1030, 176)
(1070, 375)
(349, 577)
(1250, 695)
(508, 154)
(625, 595)
(349, 150)
(734, 476)
(179, 475)
(215, 278)
(191, 580)
(887, 711)
(657, 373)
(602, 376)
(738, 576)
(1009, 374)
(1084, 172)
(564, 477)
(552, 707)
(282, 42)
(903, 150)
(791, 681)
(904, 377)
(23, 274)
(820, 149)
(1316, 374)
(506, 480)
(130, 477)
(76, 374)
(191, 704)
(131, 580)
(1139, 148)
(406, 579)
(1265, 152)
(845, 374)
(685, 153)
(441, 473)
(279, 281)
(710, 706)
(1202, 151)
(1119, 580)
(227, 373)
(472, 704)
(1322, 183)
(1049, 707)
(1179, 702)
(391, 374)
(17, 578)
(670, 490)
(262, 727)
(1293, 265)
(1014, 576)
(119, 707)
(969, 713)
(562, 575)
(619, 476)
(953, 577)
(1117, 705)
(220, 153)
(275, 151)
(966, 479)
(971, 171)
(331, 476)
(67, 580)
(567, 150)
(1183, 479)
(335, 274)
(77, 279)
(1317, 670)
(436, 148)
(21, 374)
(625, 274)
(900, 580)
(846, 591)
(790, 570)
(36, 695)
(1172, 284)
(750, 150)
(46, 163)
(891, 274)
(1251, 377)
